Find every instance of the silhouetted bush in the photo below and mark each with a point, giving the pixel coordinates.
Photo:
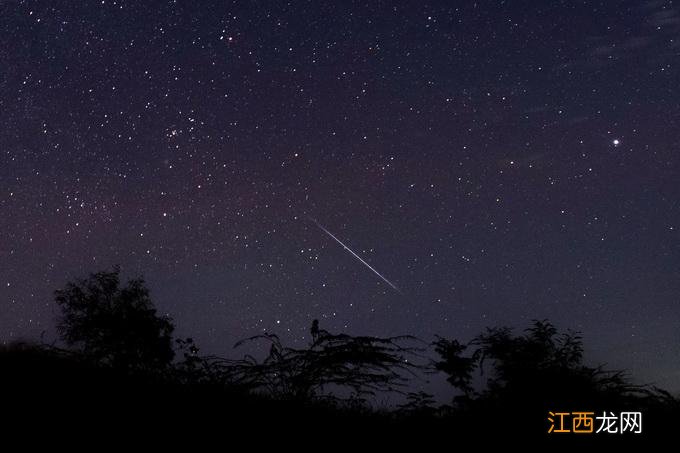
(541, 364)
(114, 325)
(333, 363)
(458, 368)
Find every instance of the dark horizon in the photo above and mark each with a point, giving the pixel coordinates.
(495, 163)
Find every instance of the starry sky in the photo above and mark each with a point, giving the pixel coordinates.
(495, 161)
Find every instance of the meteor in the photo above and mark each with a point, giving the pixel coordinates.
(356, 256)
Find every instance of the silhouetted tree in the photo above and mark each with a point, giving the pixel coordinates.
(544, 362)
(540, 367)
(191, 369)
(418, 404)
(457, 367)
(115, 325)
(362, 365)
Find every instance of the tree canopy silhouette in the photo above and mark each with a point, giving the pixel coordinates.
(542, 365)
(114, 325)
(454, 364)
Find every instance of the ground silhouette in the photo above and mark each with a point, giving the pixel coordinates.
(117, 369)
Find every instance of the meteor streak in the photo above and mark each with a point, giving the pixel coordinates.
(356, 256)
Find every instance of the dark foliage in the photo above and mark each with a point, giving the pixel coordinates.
(457, 367)
(114, 325)
(525, 376)
(542, 366)
(120, 377)
(331, 365)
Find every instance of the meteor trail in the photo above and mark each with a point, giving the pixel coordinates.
(356, 256)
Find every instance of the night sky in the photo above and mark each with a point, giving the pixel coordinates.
(495, 161)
